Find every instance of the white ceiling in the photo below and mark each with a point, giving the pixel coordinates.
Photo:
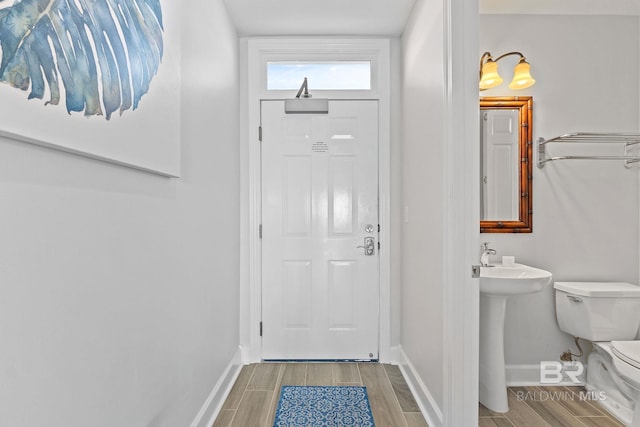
(319, 17)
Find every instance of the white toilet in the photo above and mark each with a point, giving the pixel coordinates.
(608, 315)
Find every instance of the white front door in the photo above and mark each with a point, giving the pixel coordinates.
(320, 264)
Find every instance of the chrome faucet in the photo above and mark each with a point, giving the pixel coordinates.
(486, 251)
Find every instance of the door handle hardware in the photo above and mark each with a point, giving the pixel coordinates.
(369, 246)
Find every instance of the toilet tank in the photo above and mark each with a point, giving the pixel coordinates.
(598, 311)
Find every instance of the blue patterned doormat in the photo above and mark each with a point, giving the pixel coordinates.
(323, 406)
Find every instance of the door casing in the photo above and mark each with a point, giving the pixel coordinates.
(259, 51)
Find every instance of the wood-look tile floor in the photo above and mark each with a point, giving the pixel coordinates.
(254, 397)
(549, 406)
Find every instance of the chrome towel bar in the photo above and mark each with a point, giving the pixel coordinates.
(628, 139)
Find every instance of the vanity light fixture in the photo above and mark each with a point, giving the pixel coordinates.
(489, 76)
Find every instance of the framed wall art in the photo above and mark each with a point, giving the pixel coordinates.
(98, 78)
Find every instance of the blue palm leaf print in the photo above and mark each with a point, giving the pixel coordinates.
(102, 53)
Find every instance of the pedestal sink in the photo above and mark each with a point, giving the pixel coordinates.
(497, 284)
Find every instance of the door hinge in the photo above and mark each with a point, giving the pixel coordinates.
(260, 133)
(378, 246)
(260, 328)
(378, 228)
(260, 231)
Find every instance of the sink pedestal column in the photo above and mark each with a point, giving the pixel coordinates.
(493, 378)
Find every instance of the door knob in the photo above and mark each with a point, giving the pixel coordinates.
(369, 246)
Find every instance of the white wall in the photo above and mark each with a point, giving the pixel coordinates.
(119, 289)
(585, 213)
(396, 192)
(422, 235)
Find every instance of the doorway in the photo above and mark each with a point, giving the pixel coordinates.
(261, 52)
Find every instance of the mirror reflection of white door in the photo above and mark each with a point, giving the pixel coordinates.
(320, 290)
(501, 164)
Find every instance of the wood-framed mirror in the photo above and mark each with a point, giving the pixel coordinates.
(506, 161)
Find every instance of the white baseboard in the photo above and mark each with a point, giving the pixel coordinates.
(529, 375)
(212, 406)
(430, 410)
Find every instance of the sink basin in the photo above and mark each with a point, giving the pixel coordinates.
(515, 279)
(497, 285)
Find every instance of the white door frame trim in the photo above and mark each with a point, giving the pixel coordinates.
(259, 51)
(461, 214)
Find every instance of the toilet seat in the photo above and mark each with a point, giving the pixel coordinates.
(627, 351)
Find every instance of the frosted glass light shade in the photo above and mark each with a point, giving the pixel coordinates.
(490, 77)
(522, 76)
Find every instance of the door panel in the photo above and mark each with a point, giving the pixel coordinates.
(320, 291)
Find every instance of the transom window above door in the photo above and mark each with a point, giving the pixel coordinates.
(336, 75)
